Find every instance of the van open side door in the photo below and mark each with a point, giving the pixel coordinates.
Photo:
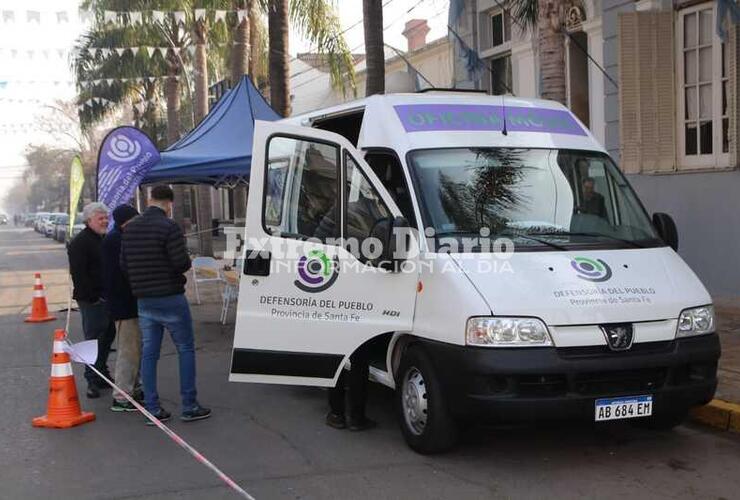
(309, 295)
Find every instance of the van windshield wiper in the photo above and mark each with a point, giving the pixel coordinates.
(507, 234)
(593, 235)
(532, 238)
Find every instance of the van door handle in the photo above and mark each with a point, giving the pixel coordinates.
(257, 263)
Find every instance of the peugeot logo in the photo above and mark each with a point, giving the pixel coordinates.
(618, 337)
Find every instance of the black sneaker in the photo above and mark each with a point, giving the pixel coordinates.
(102, 385)
(197, 413)
(121, 406)
(138, 395)
(162, 415)
(335, 420)
(362, 424)
(92, 392)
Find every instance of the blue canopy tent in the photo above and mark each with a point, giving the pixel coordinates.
(219, 150)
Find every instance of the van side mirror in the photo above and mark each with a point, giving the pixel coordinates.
(666, 229)
(392, 234)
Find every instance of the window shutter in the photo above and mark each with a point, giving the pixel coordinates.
(733, 46)
(484, 30)
(629, 94)
(646, 91)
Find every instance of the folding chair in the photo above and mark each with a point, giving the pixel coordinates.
(209, 271)
(229, 295)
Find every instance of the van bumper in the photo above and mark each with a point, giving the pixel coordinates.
(526, 384)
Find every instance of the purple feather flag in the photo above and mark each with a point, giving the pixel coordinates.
(125, 157)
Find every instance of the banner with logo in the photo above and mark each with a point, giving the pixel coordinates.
(125, 157)
(76, 181)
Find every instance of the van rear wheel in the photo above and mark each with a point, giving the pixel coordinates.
(422, 410)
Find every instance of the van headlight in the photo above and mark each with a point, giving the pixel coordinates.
(696, 321)
(507, 332)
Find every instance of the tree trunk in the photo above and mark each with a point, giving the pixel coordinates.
(172, 95)
(253, 45)
(240, 64)
(203, 198)
(240, 50)
(277, 26)
(149, 116)
(551, 44)
(372, 20)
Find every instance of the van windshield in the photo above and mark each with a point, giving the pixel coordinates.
(535, 196)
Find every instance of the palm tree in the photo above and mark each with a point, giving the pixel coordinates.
(90, 64)
(201, 30)
(547, 18)
(241, 53)
(117, 76)
(372, 20)
(317, 21)
(277, 27)
(200, 110)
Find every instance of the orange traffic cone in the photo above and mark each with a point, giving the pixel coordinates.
(39, 311)
(63, 408)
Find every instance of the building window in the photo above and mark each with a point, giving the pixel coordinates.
(703, 124)
(500, 74)
(500, 28)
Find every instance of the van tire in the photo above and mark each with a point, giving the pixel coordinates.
(439, 432)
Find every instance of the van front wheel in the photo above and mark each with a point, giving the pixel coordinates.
(422, 410)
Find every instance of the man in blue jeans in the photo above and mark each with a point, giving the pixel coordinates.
(155, 258)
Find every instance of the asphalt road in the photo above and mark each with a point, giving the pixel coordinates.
(273, 442)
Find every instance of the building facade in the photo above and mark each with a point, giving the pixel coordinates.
(656, 81)
(422, 64)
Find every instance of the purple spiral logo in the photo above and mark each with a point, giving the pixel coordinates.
(123, 149)
(316, 272)
(595, 270)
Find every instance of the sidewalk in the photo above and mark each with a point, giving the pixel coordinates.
(724, 411)
(728, 314)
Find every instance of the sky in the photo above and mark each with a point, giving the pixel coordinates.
(29, 83)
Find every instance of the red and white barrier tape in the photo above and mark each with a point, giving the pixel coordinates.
(177, 439)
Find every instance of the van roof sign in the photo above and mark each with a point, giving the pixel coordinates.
(477, 117)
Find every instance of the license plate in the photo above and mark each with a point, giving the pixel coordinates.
(626, 407)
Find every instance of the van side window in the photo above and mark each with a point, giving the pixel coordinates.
(390, 172)
(363, 206)
(301, 193)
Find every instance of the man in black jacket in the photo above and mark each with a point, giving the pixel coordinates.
(85, 266)
(123, 310)
(154, 256)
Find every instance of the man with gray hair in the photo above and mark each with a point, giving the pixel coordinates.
(86, 268)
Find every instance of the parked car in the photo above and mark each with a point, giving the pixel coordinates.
(61, 226)
(79, 225)
(49, 224)
(29, 220)
(38, 222)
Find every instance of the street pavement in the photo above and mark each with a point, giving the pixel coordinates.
(273, 442)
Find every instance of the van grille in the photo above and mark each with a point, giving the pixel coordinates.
(605, 383)
(615, 382)
(603, 350)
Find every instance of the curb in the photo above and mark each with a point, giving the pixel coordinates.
(719, 414)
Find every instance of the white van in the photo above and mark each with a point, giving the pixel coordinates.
(593, 315)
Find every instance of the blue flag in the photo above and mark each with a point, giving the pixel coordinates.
(125, 157)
